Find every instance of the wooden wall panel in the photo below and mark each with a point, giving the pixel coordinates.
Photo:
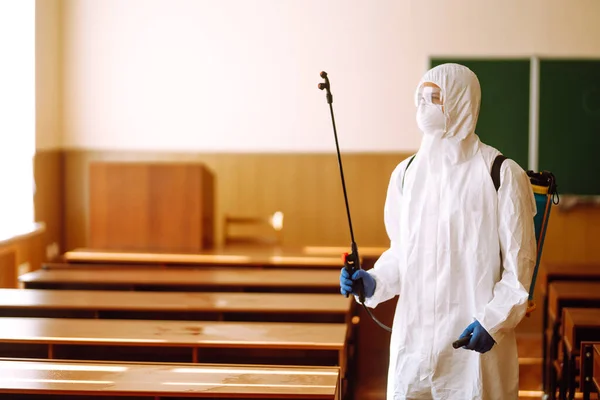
(8, 268)
(573, 235)
(305, 187)
(48, 200)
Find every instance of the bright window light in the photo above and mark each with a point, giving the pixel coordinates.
(17, 114)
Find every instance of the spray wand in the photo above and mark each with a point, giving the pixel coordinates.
(352, 260)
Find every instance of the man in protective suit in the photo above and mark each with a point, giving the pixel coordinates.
(461, 254)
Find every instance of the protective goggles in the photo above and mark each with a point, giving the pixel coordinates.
(429, 95)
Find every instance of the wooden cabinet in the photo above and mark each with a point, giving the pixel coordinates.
(151, 206)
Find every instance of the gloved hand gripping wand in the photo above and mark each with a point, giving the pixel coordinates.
(352, 260)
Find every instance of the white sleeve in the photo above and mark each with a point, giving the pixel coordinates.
(386, 268)
(516, 211)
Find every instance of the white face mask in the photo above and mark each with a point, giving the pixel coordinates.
(431, 119)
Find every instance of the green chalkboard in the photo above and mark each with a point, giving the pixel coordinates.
(569, 124)
(504, 116)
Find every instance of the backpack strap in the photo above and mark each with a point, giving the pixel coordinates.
(406, 169)
(496, 170)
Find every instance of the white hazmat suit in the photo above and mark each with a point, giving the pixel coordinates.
(459, 252)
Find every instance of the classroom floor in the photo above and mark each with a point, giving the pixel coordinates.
(530, 372)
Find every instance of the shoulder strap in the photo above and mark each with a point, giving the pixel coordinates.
(406, 169)
(496, 170)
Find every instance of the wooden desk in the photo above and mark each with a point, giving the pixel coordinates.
(40, 379)
(363, 251)
(175, 341)
(560, 296)
(579, 325)
(275, 307)
(587, 360)
(216, 258)
(552, 272)
(596, 368)
(203, 279)
(130, 265)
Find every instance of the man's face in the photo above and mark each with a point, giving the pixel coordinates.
(430, 110)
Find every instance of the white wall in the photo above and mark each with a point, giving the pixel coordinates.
(48, 75)
(241, 75)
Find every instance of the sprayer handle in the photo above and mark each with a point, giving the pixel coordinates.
(461, 342)
(351, 265)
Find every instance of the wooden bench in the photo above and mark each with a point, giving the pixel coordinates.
(256, 258)
(73, 380)
(562, 295)
(552, 272)
(176, 341)
(275, 307)
(590, 368)
(203, 279)
(579, 325)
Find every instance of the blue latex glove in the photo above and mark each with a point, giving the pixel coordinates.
(481, 341)
(346, 284)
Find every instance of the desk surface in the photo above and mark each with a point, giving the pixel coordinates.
(244, 277)
(571, 269)
(271, 335)
(572, 293)
(96, 300)
(202, 381)
(363, 251)
(247, 257)
(578, 322)
(550, 272)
